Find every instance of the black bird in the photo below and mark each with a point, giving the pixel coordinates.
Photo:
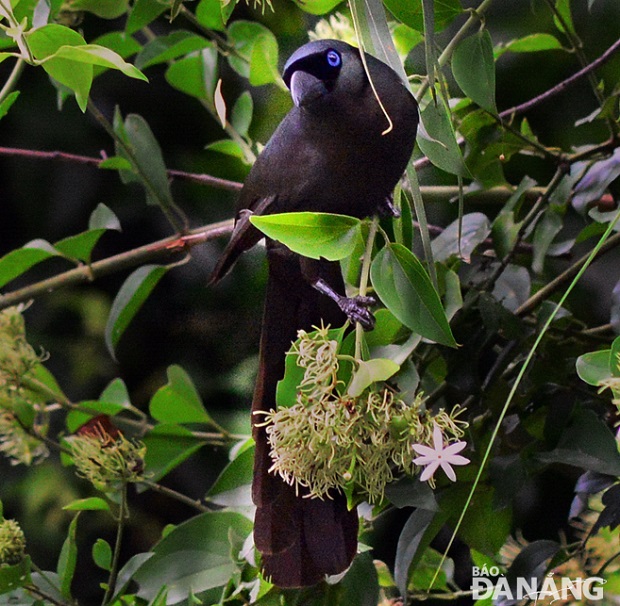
(333, 152)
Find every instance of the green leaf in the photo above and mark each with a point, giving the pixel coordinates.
(194, 557)
(474, 229)
(313, 235)
(178, 401)
(93, 54)
(102, 554)
(174, 45)
(385, 330)
(473, 67)
(142, 13)
(410, 12)
(195, 75)
(129, 299)
(81, 245)
(564, 22)
(7, 103)
(167, 446)
(89, 504)
(67, 560)
(532, 43)
(103, 218)
(593, 367)
(116, 163)
(116, 392)
(404, 287)
(317, 7)
(440, 143)
(19, 261)
(109, 9)
(209, 14)
(44, 42)
(13, 577)
(264, 60)
(257, 52)
(546, 230)
(409, 541)
(369, 372)
(233, 487)
(241, 115)
(227, 147)
(587, 443)
(146, 159)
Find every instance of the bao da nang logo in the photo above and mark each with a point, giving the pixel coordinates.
(487, 584)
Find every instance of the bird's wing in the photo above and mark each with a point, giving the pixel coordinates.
(244, 236)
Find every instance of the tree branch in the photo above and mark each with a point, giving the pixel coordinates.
(162, 250)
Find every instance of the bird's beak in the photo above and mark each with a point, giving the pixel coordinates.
(305, 88)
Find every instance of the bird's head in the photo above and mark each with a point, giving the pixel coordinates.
(324, 71)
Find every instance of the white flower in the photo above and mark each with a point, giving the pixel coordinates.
(439, 456)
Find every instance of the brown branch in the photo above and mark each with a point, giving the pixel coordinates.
(562, 86)
(567, 275)
(162, 250)
(95, 162)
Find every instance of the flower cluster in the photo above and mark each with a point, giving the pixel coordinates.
(12, 543)
(17, 359)
(328, 441)
(107, 462)
(338, 26)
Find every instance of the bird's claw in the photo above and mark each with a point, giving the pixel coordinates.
(356, 309)
(387, 208)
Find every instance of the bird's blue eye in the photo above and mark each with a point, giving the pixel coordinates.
(333, 58)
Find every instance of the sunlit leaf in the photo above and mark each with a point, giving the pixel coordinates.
(142, 13)
(102, 554)
(7, 102)
(178, 401)
(17, 262)
(89, 504)
(195, 75)
(313, 235)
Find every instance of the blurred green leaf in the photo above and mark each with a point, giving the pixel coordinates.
(227, 147)
(441, 148)
(102, 554)
(142, 13)
(587, 443)
(67, 560)
(241, 115)
(404, 287)
(257, 52)
(195, 75)
(89, 504)
(129, 299)
(317, 7)
(13, 577)
(7, 102)
(178, 401)
(313, 235)
(144, 154)
(385, 330)
(80, 246)
(545, 232)
(473, 67)
(410, 12)
(531, 43)
(109, 9)
(209, 14)
(166, 48)
(564, 20)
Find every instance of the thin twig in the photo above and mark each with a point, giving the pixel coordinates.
(567, 275)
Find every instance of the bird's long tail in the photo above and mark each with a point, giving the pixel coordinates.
(301, 539)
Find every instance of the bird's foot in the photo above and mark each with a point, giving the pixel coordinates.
(387, 208)
(356, 309)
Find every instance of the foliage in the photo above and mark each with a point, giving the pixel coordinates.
(487, 316)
